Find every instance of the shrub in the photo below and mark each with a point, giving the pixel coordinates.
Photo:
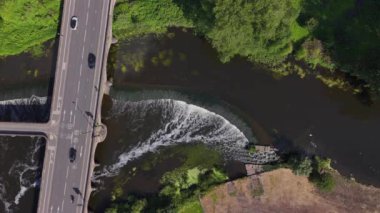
(301, 167)
(325, 182)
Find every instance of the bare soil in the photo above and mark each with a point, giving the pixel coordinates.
(282, 191)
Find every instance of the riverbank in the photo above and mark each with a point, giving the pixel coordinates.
(302, 37)
(281, 190)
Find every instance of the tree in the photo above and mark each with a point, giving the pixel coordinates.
(259, 30)
(302, 167)
(325, 182)
(322, 164)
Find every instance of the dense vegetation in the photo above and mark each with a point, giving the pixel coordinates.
(327, 38)
(180, 188)
(318, 170)
(335, 40)
(26, 23)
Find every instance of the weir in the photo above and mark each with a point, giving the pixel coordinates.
(159, 123)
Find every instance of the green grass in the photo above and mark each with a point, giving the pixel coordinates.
(190, 207)
(143, 17)
(26, 23)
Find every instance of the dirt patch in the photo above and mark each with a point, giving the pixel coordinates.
(282, 191)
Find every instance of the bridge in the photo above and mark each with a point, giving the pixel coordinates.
(75, 113)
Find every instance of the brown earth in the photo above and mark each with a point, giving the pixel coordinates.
(282, 191)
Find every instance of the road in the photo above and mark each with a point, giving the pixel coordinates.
(24, 129)
(74, 107)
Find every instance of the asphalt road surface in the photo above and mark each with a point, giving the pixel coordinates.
(64, 183)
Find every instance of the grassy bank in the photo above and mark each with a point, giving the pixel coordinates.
(25, 24)
(283, 191)
(337, 41)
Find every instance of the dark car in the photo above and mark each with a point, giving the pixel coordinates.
(72, 154)
(91, 60)
(74, 23)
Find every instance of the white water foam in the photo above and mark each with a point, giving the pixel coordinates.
(180, 123)
(27, 174)
(23, 101)
(25, 109)
(3, 192)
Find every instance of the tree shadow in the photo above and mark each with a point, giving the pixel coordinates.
(198, 11)
(350, 31)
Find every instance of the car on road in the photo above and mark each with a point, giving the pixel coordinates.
(74, 22)
(91, 60)
(72, 154)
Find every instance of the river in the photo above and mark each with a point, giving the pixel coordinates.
(303, 112)
(21, 160)
(176, 82)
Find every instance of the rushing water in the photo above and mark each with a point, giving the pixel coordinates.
(33, 109)
(303, 112)
(153, 124)
(21, 160)
(141, 124)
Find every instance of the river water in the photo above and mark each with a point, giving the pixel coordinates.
(173, 90)
(21, 160)
(302, 112)
(25, 79)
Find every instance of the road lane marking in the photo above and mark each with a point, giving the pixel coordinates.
(81, 149)
(71, 114)
(67, 172)
(64, 189)
(78, 87)
(82, 52)
(63, 202)
(64, 113)
(76, 103)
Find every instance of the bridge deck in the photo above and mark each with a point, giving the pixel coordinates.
(75, 108)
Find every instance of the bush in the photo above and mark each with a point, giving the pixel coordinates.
(325, 182)
(301, 167)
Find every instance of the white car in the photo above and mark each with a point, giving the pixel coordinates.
(74, 22)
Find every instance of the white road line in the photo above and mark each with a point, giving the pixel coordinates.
(71, 114)
(81, 149)
(84, 38)
(83, 51)
(64, 113)
(87, 20)
(67, 172)
(74, 121)
(63, 202)
(78, 87)
(64, 189)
